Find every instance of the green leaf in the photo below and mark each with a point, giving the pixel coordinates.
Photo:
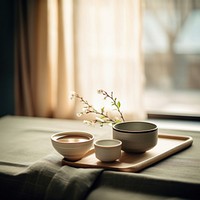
(118, 104)
(118, 120)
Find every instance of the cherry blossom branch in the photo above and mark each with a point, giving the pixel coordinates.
(102, 116)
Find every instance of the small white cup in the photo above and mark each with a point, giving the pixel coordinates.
(107, 150)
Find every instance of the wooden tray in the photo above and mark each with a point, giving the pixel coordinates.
(167, 145)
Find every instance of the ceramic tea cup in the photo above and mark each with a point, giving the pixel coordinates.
(72, 145)
(107, 150)
(136, 136)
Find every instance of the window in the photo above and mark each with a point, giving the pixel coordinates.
(171, 46)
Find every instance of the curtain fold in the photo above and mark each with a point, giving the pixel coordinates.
(44, 63)
(24, 102)
(65, 66)
(81, 45)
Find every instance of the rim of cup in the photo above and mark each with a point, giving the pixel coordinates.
(107, 143)
(151, 127)
(55, 137)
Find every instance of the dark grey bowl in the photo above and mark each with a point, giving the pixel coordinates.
(136, 136)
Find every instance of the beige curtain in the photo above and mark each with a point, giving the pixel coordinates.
(82, 45)
(108, 40)
(44, 58)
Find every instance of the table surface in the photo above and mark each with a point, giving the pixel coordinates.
(25, 148)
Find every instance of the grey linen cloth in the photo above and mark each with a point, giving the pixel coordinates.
(31, 169)
(45, 179)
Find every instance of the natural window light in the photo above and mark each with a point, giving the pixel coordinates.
(87, 45)
(171, 46)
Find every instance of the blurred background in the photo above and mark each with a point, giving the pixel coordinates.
(7, 57)
(171, 51)
(171, 46)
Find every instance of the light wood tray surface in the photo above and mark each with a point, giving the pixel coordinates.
(167, 145)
